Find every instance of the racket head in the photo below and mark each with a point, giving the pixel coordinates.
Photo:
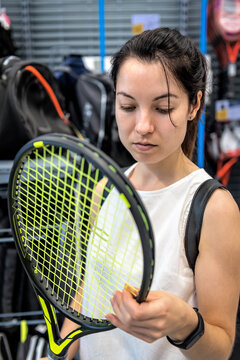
(63, 236)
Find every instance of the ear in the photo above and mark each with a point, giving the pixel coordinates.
(194, 108)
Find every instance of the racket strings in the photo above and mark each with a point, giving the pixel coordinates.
(52, 205)
(95, 267)
(112, 259)
(78, 246)
(55, 192)
(35, 176)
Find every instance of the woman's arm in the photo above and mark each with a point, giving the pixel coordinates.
(217, 284)
(218, 272)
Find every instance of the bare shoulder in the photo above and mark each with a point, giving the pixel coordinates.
(221, 223)
(222, 209)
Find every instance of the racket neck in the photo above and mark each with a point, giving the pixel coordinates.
(57, 347)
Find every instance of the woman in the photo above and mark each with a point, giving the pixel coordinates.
(160, 80)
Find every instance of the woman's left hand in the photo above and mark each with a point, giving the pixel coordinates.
(161, 314)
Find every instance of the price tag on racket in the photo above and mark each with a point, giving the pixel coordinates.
(81, 231)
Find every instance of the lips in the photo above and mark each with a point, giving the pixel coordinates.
(144, 146)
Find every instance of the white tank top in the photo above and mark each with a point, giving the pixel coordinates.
(168, 210)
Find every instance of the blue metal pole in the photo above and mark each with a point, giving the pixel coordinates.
(201, 123)
(102, 33)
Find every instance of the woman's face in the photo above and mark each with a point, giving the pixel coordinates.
(142, 111)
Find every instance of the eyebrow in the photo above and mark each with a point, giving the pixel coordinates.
(163, 96)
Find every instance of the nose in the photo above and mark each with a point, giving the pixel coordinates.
(144, 124)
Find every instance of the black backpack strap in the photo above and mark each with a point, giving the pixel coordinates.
(195, 218)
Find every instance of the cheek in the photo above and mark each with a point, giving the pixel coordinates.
(124, 124)
(125, 129)
(173, 135)
(180, 133)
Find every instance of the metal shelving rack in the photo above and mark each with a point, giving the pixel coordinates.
(9, 321)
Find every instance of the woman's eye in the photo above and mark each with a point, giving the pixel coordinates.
(164, 111)
(127, 108)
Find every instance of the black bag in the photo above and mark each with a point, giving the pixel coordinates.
(90, 103)
(96, 99)
(27, 109)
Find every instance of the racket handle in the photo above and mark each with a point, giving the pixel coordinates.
(52, 356)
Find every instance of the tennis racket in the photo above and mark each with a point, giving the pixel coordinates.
(81, 232)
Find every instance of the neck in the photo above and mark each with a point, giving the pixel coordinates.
(148, 177)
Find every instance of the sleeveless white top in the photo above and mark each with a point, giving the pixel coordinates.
(168, 210)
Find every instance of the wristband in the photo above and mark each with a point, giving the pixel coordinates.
(193, 337)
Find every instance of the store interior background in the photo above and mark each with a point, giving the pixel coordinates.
(48, 30)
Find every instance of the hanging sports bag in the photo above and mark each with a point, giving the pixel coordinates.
(30, 102)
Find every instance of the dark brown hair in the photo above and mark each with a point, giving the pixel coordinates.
(180, 56)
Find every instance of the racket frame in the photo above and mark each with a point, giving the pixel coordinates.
(58, 346)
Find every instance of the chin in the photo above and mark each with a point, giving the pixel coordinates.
(141, 157)
(145, 158)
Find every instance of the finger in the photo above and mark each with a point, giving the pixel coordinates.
(155, 295)
(116, 301)
(126, 306)
(137, 332)
(113, 319)
(144, 311)
(153, 329)
(147, 330)
(119, 308)
(128, 310)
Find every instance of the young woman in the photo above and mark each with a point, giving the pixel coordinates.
(160, 80)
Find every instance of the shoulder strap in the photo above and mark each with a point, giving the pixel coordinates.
(195, 218)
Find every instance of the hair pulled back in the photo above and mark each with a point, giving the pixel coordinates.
(180, 56)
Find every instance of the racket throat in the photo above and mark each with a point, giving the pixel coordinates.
(57, 347)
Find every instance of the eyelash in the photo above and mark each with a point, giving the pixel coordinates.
(127, 108)
(164, 111)
(132, 108)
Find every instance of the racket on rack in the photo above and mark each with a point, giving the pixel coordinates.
(81, 232)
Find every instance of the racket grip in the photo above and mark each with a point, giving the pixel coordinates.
(52, 356)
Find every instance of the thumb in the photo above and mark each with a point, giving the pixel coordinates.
(154, 295)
